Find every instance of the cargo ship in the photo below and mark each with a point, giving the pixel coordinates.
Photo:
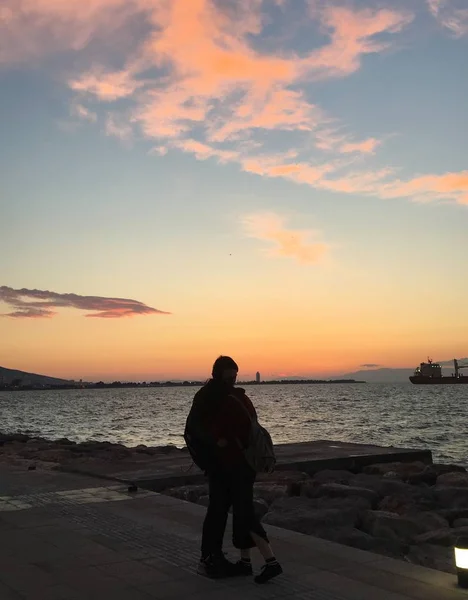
(431, 373)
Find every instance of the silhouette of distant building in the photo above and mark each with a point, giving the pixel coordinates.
(257, 377)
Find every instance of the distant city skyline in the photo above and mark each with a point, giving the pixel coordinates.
(285, 182)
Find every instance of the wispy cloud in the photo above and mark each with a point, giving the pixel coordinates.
(38, 304)
(370, 366)
(79, 111)
(452, 14)
(118, 127)
(287, 242)
(189, 76)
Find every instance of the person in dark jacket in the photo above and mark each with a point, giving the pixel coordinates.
(223, 415)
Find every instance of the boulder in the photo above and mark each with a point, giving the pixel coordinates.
(439, 537)
(392, 526)
(333, 476)
(282, 477)
(463, 522)
(453, 479)
(440, 468)
(401, 470)
(189, 493)
(338, 490)
(432, 556)
(204, 500)
(451, 497)
(428, 476)
(270, 491)
(261, 507)
(316, 516)
(452, 514)
(65, 442)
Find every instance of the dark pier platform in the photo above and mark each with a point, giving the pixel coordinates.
(176, 469)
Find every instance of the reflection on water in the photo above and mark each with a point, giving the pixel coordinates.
(400, 415)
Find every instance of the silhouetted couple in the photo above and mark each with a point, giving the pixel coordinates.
(217, 432)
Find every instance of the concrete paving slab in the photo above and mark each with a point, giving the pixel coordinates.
(146, 548)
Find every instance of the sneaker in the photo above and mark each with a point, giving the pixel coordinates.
(269, 570)
(243, 568)
(218, 567)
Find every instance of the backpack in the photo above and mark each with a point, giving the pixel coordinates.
(259, 452)
(200, 448)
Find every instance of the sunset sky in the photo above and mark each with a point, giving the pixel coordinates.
(284, 181)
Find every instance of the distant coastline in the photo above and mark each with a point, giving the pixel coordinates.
(158, 384)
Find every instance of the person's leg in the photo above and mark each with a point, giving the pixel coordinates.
(216, 517)
(247, 529)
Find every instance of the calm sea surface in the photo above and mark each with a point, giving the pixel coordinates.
(434, 417)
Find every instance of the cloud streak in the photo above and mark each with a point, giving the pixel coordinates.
(39, 304)
(291, 243)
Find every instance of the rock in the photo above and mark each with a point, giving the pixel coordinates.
(204, 501)
(261, 507)
(282, 477)
(428, 476)
(338, 490)
(452, 514)
(401, 469)
(189, 493)
(440, 468)
(402, 498)
(452, 497)
(453, 479)
(270, 492)
(294, 488)
(439, 537)
(463, 522)
(333, 476)
(65, 442)
(392, 526)
(430, 520)
(306, 516)
(391, 475)
(432, 556)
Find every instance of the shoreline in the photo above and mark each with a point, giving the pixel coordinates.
(156, 384)
(412, 511)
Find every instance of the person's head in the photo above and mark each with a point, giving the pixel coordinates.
(225, 370)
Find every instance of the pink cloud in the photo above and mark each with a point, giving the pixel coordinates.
(290, 243)
(41, 304)
(213, 93)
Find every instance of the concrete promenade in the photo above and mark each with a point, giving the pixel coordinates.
(69, 537)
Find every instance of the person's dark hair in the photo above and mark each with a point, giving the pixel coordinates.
(221, 364)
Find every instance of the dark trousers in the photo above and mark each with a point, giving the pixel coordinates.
(231, 488)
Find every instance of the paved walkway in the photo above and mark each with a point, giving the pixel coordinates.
(66, 537)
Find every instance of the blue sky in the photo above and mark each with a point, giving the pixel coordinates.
(204, 160)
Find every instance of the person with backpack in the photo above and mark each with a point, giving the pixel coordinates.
(226, 441)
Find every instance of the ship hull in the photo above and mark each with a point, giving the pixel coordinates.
(421, 380)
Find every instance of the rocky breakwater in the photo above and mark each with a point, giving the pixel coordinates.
(409, 511)
(36, 452)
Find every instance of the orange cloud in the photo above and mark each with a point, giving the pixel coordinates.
(289, 243)
(38, 304)
(194, 80)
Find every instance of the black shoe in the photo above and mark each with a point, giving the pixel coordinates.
(269, 570)
(218, 567)
(243, 568)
